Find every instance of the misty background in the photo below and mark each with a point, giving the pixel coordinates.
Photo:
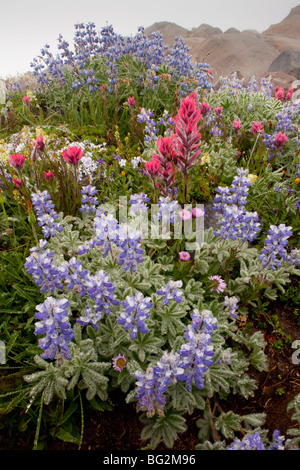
(27, 26)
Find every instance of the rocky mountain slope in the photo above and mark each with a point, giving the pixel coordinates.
(247, 52)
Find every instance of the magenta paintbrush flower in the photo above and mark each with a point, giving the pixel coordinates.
(218, 111)
(188, 114)
(187, 136)
(279, 93)
(17, 183)
(48, 175)
(236, 125)
(280, 139)
(72, 155)
(257, 127)
(166, 148)
(39, 143)
(131, 102)
(153, 168)
(289, 94)
(17, 161)
(204, 108)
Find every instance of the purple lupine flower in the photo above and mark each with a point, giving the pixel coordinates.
(166, 121)
(150, 399)
(107, 231)
(274, 249)
(252, 442)
(240, 187)
(231, 305)
(171, 292)
(138, 203)
(238, 223)
(151, 129)
(277, 441)
(196, 355)
(167, 370)
(90, 317)
(54, 323)
(76, 277)
(40, 265)
(85, 247)
(295, 256)
(131, 252)
(46, 214)
(101, 290)
(89, 201)
(168, 210)
(137, 311)
(152, 384)
(190, 363)
(252, 85)
(235, 222)
(238, 192)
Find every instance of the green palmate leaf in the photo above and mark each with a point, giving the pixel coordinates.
(181, 398)
(258, 359)
(207, 445)
(255, 341)
(220, 377)
(253, 420)
(193, 291)
(294, 432)
(202, 266)
(270, 293)
(163, 428)
(166, 263)
(50, 381)
(146, 344)
(244, 386)
(228, 423)
(184, 400)
(205, 427)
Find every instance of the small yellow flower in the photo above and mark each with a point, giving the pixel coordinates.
(252, 178)
(297, 180)
(123, 173)
(30, 95)
(205, 158)
(4, 152)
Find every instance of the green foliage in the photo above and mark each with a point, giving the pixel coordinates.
(49, 398)
(294, 432)
(163, 429)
